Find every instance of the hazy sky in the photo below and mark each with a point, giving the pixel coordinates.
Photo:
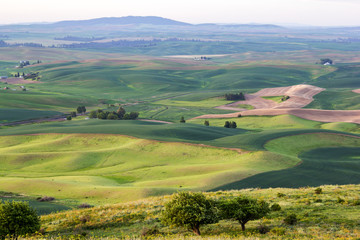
(306, 12)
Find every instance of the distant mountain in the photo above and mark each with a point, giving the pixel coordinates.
(121, 21)
(240, 25)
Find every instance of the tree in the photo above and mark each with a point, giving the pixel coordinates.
(81, 109)
(101, 115)
(121, 112)
(233, 125)
(190, 210)
(17, 218)
(112, 116)
(227, 124)
(243, 209)
(182, 119)
(206, 123)
(134, 115)
(93, 114)
(73, 114)
(68, 117)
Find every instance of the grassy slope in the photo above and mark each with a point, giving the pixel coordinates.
(98, 168)
(320, 216)
(7, 114)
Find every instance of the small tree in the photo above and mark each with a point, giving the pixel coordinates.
(190, 210)
(81, 109)
(206, 123)
(68, 118)
(17, 218)
(182, 119)
(121, 112)
(112, 116)
(227, 124)
(73, 114)
(101, 115)
(243, 209)
(93, 114)
(134, 115)
(233, 125)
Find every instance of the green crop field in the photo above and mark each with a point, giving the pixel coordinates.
(326, 158)
(121, 168)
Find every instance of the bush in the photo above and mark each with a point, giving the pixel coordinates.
(85, 205)
(279, 231)
(16, 219)
(182, 119)
(280, 195)
(45, 199)
(318, 190)
(263, 229)
(206, 123)
(291, 219)
(355, 202)
(227, 124)
(239, 115)
(68, 118)
(340, 200)
(73, 114)
(275, 207)
(190, 210)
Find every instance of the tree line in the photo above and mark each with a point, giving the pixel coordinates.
(120, 114)
(234, 96)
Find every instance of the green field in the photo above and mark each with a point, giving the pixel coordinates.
(121, 168)
(325, 159)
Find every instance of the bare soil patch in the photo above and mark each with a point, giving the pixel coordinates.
(300, 96)
(356, 90)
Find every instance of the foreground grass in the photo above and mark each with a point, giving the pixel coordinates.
(329, 215)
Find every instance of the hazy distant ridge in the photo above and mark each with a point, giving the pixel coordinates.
(123, 21)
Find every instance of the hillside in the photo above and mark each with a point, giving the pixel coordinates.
(151, 20)
(330, 214)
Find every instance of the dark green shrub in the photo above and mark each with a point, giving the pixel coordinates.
(355, 202)
(340, 200)
(263, 229)
(182, 119)
(291, 219)
(318, 190)
(275, 207)
(280, 195)
(68, 118)
(206, 123)
(16, 219)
